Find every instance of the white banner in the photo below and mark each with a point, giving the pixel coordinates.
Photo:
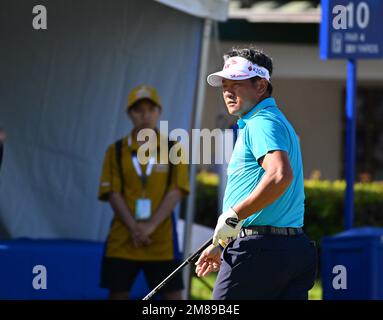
(63, 93)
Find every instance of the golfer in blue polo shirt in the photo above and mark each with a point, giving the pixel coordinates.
(266, 254)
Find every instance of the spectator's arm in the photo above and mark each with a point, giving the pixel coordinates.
(166, 207)
(121, 209)
(164, 211)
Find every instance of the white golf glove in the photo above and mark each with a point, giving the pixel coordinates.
(228, 226)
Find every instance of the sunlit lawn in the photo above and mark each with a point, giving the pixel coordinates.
(200, 291)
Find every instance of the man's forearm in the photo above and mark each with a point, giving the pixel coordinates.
(270, 188)
(119, 206)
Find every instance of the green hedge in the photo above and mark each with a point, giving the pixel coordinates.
(207, 199)
(324, 207)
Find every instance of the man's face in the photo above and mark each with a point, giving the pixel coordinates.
(144, 114)
(240, 95)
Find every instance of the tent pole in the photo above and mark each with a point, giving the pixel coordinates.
(197, 123)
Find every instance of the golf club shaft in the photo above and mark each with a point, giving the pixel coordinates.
(187, 261)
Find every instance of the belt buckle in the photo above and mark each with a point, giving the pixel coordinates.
(249, 232)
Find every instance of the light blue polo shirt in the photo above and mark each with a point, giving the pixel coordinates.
(263, 129)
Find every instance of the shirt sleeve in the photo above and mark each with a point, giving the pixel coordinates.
(110, 180)
(266, 134)
(180, 175)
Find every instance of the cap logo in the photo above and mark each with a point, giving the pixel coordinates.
(238, 75)
(239, 68)
(260, 71)
(231, 222)
(143, 93)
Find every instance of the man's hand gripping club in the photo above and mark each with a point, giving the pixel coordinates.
(228, 227)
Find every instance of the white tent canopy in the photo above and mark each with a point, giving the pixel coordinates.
(210, 9)
(62, 97)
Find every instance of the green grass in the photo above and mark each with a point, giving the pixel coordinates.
(316, 292)
(200, 291)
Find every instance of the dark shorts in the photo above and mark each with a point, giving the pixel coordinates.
(120, 274)
(268, 267)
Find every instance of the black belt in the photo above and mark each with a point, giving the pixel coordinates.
(265, 230)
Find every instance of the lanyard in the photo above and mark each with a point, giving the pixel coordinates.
(149, 168)
(137, 167)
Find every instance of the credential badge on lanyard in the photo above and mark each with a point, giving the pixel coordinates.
(143, 204)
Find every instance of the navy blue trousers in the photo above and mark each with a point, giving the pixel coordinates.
(268, 267)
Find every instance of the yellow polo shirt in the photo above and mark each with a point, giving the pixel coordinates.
(164, 239)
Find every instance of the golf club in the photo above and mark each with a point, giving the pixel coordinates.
(187, 261)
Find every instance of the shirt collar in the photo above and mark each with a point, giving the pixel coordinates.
(133, 144)
(268, 102)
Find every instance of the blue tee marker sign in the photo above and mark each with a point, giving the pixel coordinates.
(351, 29)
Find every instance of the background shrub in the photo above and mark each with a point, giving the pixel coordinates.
(324, 205)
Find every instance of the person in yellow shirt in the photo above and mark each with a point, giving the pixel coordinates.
(142, 196)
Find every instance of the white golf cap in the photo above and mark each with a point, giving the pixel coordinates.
(238, 68)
